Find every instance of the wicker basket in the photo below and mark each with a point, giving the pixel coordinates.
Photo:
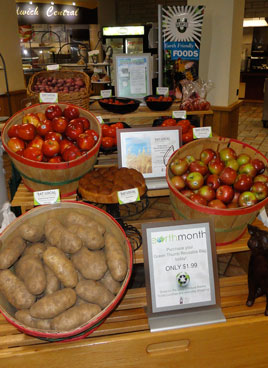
(230, 224)
(38, 216)
(42, 175)
(80, 99)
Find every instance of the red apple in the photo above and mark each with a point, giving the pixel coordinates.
(65, 143)
(248, 169)
(243, 182)
(228, 176)
(236, 196)
(232, 204)
(190, 158)
(227, 153)
(59, 124)
(26, 132)
(207, 192)
(71, 112)
(198, 166)
(74, 129)
(85, 142)
(92, 133)
(41, 116)
(178, 182)
(197, 198)
(16, 144)
(195, 180)
(243, 158)
(36, 142)
(259, 165)
(260, 190)
(44, 127)
(33, 153)
(187, 192)
(232, 163)
(207, 155)
(55, 159)
(53, 111)
(179, 166)
(216, 166)
(71, 153)
(31, 118)
(262, 178)
(50, 147)
(225, 193)
(216, 203)
(213, 181)
(86, 123)
(247, 199)
(55, 136)
(13, 131)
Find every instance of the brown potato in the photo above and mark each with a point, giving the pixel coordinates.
(91, 238)
(10, 252)
(30, 270)
(62, 267)
(60, 237)
(91, 264)
(94, 292)
(15, 290)
(74, 217)
(51, 305)
(30, 232)
(115, 257)
(24, 316)
(36, 249)
(53, 283)
(110, 284)
(75, 317)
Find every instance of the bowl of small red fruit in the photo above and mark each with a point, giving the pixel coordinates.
(52, 146)
(218, 178)
(185, 124)
(119, 105)
(158, 102)
(109, 140)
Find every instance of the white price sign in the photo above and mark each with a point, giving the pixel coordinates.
(180, 114)
(48, 97)
(46, 197)
(105, 93)
(53, 67)
(162, 91)
(101, 121)
(128, 196)
(203, 132)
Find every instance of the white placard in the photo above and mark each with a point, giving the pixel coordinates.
(202, 132)
(100, 119)
(53, 67)
(48, 97)
(162, 91)
(105, 93)
(128, 196)
(180, 114)
(46, 197)
(137, 79)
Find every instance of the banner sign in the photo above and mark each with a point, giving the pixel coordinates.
(181, 33)
(39, 13)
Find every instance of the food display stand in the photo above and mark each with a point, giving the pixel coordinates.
(125, 340)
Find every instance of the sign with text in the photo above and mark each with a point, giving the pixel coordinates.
(48, 97)
(202, 132)
(180, 266)
(46, 197)
(128, 196)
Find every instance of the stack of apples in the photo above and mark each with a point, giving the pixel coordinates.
(54, 136)
(220, 179)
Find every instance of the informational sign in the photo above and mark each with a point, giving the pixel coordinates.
(162, 91)
(181, 273)
(46, 197)
(132, 75)
(147, 149)
(48, 97)
(181, 35)
(53, 67)
(39, 13)
(180, 114)
(105, 93)
(128, 196)
(202, 132)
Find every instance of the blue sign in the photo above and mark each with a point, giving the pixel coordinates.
(182, 50)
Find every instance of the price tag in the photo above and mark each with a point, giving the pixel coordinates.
(46, 197)
(128, 196)
(180, 114)
(100, 119)
(53, 67)
(203, 132)
(162, 91)
(105, 93)
(48, 97)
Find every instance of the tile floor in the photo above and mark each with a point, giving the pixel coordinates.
(251, 131)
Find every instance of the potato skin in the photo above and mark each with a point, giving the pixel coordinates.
(51, 305)
(53, 283)
(31, 232)
(15, 290)
(30, 270)
(110, 284)
(91, 264)
(60, 237)
(74, 217)
(94, 292)
(36, 249)
(75, 317)
(115, 257)
(11, 252)
(63, 268)
(24, 316)
(91, 238)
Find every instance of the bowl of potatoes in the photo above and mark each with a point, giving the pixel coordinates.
(63, 269)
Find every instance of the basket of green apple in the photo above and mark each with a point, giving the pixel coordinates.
(219, 178)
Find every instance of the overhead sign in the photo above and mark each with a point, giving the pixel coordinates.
(123, 31)
(39, 13)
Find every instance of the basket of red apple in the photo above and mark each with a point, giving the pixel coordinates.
(219, 178)
(52, 146)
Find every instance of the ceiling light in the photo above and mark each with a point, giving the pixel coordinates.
(74, 3)
(30, 2)
(255, 22)
(52, 3)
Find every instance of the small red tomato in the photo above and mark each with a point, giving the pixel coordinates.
(26, 132)
(33, 153)
(104, 129)
(74, 129)
(44, 128)
(92, 133)
(85, 142)
(107, 142)
(55, 136)
(169, 122)
(50, 147)
(185, 125)
(71, 112)
(188, 136)
(59, 124)
(71, 153)
(118, 125)
(16, 144)
(55, 160)
(13, 131)
(111, 132)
